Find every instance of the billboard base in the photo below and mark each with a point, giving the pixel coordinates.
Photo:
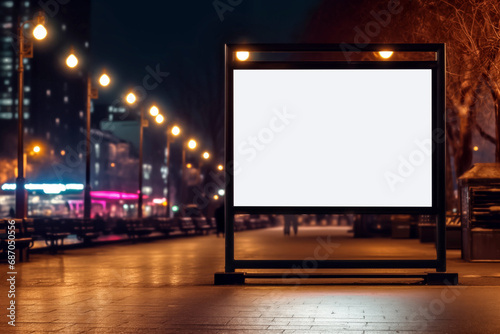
(238, 278)
(233, 278)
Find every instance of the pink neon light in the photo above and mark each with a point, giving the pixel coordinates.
(113, 195)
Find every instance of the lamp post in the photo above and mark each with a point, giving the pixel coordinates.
(175, 131)
(191, 144)
(34, 151)
(104, 80)
(153, 111)
(25, 51)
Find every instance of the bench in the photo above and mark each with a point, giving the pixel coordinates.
(166, 226)
(186, 225)
(138, 229)
(85, 230)
(54, 232)
(21, 236)
(201, 225)
(239, 223)
(453, 232)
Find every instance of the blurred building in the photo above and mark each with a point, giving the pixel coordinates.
(54, 100)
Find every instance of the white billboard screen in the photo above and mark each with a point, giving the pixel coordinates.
(332, 137)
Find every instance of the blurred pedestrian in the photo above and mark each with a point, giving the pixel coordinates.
(291, 221)
(295, 224)
(219, 215)
(286, 227)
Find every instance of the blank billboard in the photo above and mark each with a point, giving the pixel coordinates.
(332, 137)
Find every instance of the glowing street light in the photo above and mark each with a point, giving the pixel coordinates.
(176, 130)
(220, 167)
(154, 111)
(159, 119)
(104, 80)
(71, 61)
(130, 98)
(206, 155)
(40, 32)
(36, 149)
(192, 144)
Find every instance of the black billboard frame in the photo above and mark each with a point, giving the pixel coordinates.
(438, 66)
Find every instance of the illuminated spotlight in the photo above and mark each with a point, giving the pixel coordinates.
(220, 167)
(242, 55)
(40, 32)
(189, 166)
(63, 152)
(130, 98)
(104, 80)
(72, 61)
(154, 111)
(206, 155)
(221, 192)
(476, 148)
(175, 208)
(36, 149)
(216, 197)
(385, 54)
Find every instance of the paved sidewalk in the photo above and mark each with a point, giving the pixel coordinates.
(166, 286)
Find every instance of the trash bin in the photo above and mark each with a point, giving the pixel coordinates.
(427, 228)
(480, 210)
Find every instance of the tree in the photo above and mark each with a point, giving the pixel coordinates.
(471, 31)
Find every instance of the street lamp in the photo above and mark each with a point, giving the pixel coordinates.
(25, 51)
(71, 61)
(191, 144)
(31, 152)
(174, 131)
(159, 119)
(153, 111)
(104, 80)
(130, 98)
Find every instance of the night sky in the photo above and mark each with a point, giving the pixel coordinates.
(129, 36)
(185, 39)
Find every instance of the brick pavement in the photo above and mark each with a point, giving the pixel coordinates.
(166, 286)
